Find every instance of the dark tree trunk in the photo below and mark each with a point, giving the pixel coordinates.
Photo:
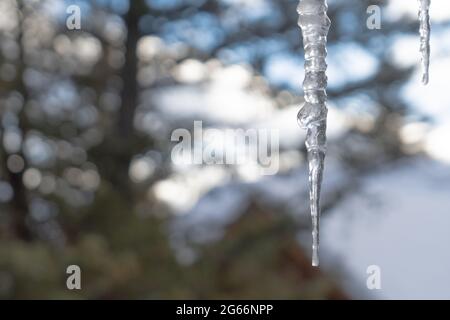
(19, 201)
(20, 208)
(124, 142)
(129, 72)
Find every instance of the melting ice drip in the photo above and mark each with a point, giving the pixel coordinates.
(314, 23)
(424, 30)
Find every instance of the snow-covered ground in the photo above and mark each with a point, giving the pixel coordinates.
(398, 220)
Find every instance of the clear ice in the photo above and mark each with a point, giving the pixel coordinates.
(314, 23)
(424, 30)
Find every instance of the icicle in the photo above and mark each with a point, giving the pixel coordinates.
(424, 18)
(314, 22)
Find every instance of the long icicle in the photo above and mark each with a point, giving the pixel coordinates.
(424, 30)
(314, 23)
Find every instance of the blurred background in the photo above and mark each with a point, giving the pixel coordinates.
(87, 178)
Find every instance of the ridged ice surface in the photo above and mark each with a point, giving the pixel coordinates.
(424, 30)
(314, 23)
